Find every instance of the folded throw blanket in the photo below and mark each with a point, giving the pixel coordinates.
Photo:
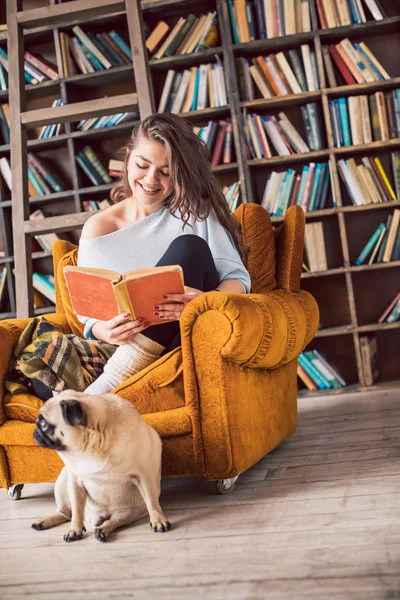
(60, 361)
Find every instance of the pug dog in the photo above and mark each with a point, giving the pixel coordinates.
(112, 464)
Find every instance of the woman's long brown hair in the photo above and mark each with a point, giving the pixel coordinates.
(196, 191)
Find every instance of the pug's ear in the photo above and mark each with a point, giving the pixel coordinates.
(73, 412)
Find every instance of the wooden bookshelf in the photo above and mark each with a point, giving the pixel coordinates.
(346, 293)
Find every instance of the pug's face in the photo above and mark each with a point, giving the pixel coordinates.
(60, 422)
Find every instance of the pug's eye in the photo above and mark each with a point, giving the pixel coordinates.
(43, 424)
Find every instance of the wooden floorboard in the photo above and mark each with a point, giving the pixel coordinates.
(317, 518)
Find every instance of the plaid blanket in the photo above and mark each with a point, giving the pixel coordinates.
(59, 360)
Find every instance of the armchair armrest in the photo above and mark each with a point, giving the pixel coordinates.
(10, 331)
(266, 330)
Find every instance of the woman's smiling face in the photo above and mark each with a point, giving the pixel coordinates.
(149, 173)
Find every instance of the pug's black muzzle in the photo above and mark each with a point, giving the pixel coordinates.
(46, 441)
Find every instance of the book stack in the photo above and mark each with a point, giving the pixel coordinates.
(106, 121)
(45, 285)
(49, 131)
(336, 13)
(308, 189)
(92, 205)
(36, 69)
(317, 373)
(268, 18)
(369, 358)
(4, 123)
(363, 119)
(392, 313)
(89, 52)
(189, 34)
(194, 89)
(384, 244)
(217, 135)
(42, 181)
(115, 167)
(314, 245)
(279, 74)
(284, 137)
(368, 183)
(45, 240)
(232, 195)
(92, 166)
(355, 63)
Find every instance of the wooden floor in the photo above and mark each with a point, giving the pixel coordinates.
(317, 518)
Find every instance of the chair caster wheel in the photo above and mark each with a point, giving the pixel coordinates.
(226, 486)
(15, 491)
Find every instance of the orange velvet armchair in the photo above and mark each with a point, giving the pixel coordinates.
(221, 401)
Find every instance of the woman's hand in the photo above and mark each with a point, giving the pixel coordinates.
(119, 330)
(175, 303)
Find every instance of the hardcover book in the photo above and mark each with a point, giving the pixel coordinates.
(102, 294)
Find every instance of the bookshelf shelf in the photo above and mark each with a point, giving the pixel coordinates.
(287, 160)
(281, 101)
(185, 60)
(342, 289)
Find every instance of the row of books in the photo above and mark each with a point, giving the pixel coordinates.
(279, 74)
(95, 205)
(391, 314)
(45, 240)
(89, 52)
(317, 373)
(91, 165)
(363, 119)
(190, 34)
(314, 246)
(232, 195)
(262, 19)
(48, 131)
(308, 189)
(355, 62)
(368, 183)
(36, 69)
(337, 13)
(218, 137)
(106, 121)
(41, 181)
(384, 244)
(4, 123)
(45, 285)
(194, 89)
(280, 131)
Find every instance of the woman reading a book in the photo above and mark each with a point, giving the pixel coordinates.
(168, 210)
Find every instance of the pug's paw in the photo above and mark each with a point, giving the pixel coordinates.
(100, 535)
(160, 526)
(38, 525)
(73, 536)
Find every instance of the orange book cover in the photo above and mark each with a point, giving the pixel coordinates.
(102, 294)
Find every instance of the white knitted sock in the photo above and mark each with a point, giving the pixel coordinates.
(126, 361)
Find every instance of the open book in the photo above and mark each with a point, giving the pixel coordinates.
(102, 294)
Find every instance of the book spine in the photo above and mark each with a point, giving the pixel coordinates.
(313, 372)
(121, 44)
(370, 244)
(41, 66)
(95, 161)
(82, 161)
(47, 176)
(91, 47)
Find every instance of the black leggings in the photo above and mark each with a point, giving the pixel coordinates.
(193, 254)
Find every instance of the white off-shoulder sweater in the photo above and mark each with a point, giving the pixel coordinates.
(143, 243)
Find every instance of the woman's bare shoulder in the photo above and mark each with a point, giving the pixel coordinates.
(102, 223)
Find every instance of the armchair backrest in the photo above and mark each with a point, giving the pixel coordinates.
(274, 260)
